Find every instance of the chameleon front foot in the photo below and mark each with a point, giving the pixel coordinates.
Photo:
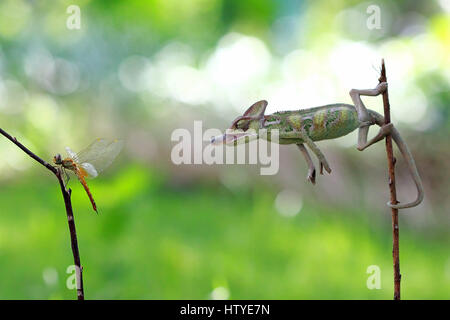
(311, 177)
(324, 164)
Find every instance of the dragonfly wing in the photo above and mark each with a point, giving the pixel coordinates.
(72, 154)
(90, 169)
(99, 155)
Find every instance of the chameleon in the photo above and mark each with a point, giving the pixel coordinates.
(306, 126)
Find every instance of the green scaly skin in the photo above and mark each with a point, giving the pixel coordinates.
(321, 123)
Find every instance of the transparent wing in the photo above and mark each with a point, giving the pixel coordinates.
(72, 154)
(98, 155)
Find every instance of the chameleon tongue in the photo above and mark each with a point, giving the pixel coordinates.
(228, 137)
(218, 140)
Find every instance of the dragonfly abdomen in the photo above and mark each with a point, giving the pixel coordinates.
(82, 174)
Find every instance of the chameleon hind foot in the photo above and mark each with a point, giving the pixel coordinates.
(384, 131)
(381, 87)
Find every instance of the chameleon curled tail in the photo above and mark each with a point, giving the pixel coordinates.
(379, 120)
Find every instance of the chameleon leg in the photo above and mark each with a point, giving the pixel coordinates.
(363, 114)
(384, 131)
(311, 169)
(317, 152)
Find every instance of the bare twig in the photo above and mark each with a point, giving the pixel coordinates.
(28, 152)
(68, 204)
(391, 165)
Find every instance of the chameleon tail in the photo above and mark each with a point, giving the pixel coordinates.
(412, 169)
(379, 120)
(86, 188)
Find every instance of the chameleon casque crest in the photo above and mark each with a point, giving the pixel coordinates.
(304, 127)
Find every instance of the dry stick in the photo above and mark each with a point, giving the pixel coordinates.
(68, 204)
(391, 165)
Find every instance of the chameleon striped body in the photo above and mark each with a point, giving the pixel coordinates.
(320, 123)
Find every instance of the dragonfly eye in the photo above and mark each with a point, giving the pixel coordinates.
(57, 159)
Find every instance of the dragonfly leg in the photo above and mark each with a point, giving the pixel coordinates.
(66, 177)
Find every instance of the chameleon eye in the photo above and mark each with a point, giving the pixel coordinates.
(242, 124)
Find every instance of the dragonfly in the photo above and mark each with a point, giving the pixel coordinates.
(90, 162)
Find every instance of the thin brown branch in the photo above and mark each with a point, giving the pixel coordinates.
(28, 152)
(393, 193)
(73, 234)
(68, 204)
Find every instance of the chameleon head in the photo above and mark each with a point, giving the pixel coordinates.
(244, 128)
(57, 159)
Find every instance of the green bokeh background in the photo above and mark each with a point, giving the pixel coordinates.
(138, 70)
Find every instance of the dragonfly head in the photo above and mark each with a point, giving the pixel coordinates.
(57, 159)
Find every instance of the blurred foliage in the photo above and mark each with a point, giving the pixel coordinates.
(140, 69)
(158, 242)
